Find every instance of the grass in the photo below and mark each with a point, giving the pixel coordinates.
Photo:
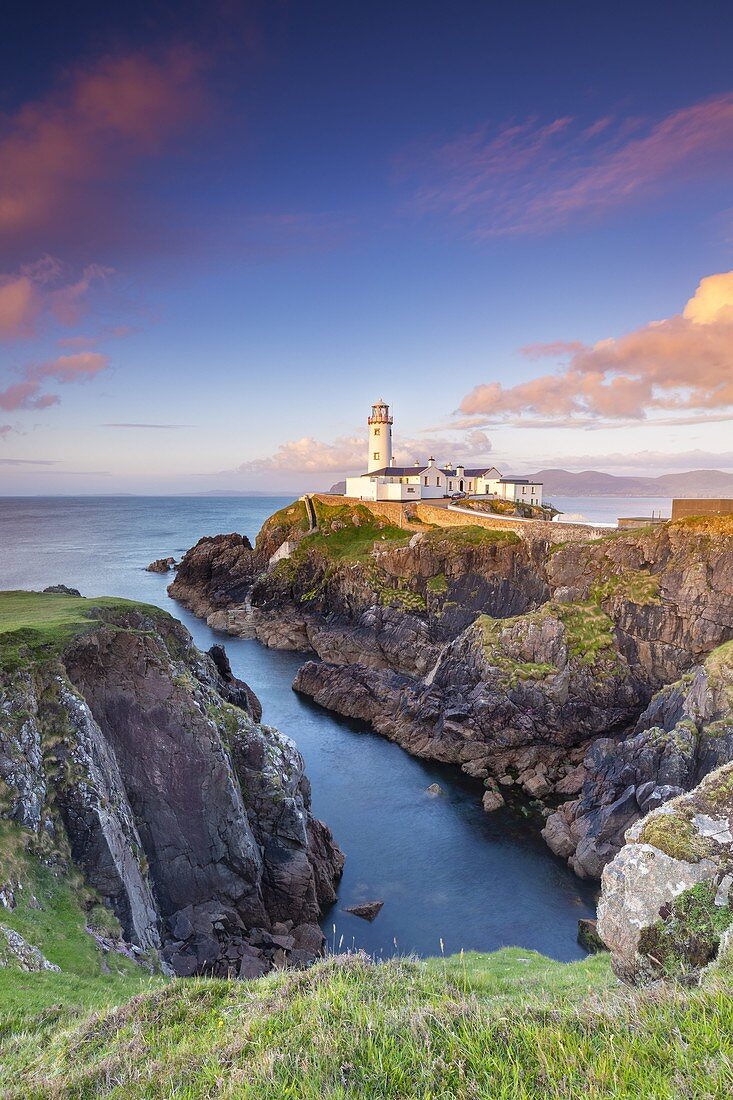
(634, 585)
(42, 623)
(348, 532)
(589, 631)
(589, 637)
(469, 535)
(673, 833)
(510, 1025)
(52, 910)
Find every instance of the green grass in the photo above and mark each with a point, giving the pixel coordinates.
(469, 535)
(589, 631)
(350, 541)
(673, 833)
(635, 585)
(511, 1025)
(42, 623)
(55, 922)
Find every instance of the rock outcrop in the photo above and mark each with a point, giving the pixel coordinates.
(665, 907)
(685, 733)
(536, 667)
(144, 761)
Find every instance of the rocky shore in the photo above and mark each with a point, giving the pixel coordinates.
(586, 676)
(131, 755)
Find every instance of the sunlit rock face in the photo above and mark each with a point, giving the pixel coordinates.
(591, 675)
(665, 906)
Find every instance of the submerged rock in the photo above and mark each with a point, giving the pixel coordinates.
(367, 910)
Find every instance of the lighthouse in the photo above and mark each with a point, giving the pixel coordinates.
(380, 437)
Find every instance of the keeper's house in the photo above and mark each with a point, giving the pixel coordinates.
(384, 480)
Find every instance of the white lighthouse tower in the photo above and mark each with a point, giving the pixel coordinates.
(380, 437)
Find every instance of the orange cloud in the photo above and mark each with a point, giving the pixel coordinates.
(54, 152)
(680, 364)
(536, 178)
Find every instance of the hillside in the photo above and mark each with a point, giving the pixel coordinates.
(510, 1025)
(589, 483)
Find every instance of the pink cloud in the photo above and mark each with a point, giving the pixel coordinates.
(38, 291)
(535, 177)
(55, 154)
(65, 369)
(348, 453)
(680, 365)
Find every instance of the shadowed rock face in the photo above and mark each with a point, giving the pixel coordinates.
(190, 817)
(531, 666)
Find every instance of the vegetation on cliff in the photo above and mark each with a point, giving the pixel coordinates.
(511, 1024)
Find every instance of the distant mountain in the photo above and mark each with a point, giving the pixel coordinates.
(594, 483)
(242, 493)
(338, 489)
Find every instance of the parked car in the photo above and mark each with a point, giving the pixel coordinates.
(458, 496)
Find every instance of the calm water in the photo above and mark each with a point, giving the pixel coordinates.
(443, 867)
(608, 509)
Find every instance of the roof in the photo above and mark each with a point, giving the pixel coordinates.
(395, 471)
(510, 479)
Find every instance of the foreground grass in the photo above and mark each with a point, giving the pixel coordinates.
(36, 624)
(507, 1025)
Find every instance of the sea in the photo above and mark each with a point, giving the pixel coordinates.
(450, 875)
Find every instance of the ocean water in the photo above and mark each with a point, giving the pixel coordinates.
(444, 869)
(608, 509)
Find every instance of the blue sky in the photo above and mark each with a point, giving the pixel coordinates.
(226, 229)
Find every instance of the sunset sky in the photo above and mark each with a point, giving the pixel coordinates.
(226, 229)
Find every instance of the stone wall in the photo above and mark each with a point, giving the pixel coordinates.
(682, 508)
(404, 515)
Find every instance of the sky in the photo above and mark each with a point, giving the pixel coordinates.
(227, 228)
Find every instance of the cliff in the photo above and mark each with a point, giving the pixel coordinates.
(129, 754)
(527, 662)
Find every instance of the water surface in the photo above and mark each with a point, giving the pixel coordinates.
(444, 868)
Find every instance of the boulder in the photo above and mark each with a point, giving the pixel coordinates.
(491, 801)
(666, 897)
(367, 910)
(162, 565)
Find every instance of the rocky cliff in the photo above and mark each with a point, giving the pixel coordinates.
(127, 752)
(533, 665)
(666, 907)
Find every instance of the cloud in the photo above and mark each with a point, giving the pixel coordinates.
(162, 427)
(682, 366)
(348, 454)
(536, 177)
(27, 462)
(65, 369)
(64, 159)
(44, 289)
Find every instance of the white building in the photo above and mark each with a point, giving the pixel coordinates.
(384, 480)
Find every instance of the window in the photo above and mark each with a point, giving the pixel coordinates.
(426, 481)
(524, 489)
(450, 484)
(376, 454)
(437, 481)
(410, 489)
(376, 431)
